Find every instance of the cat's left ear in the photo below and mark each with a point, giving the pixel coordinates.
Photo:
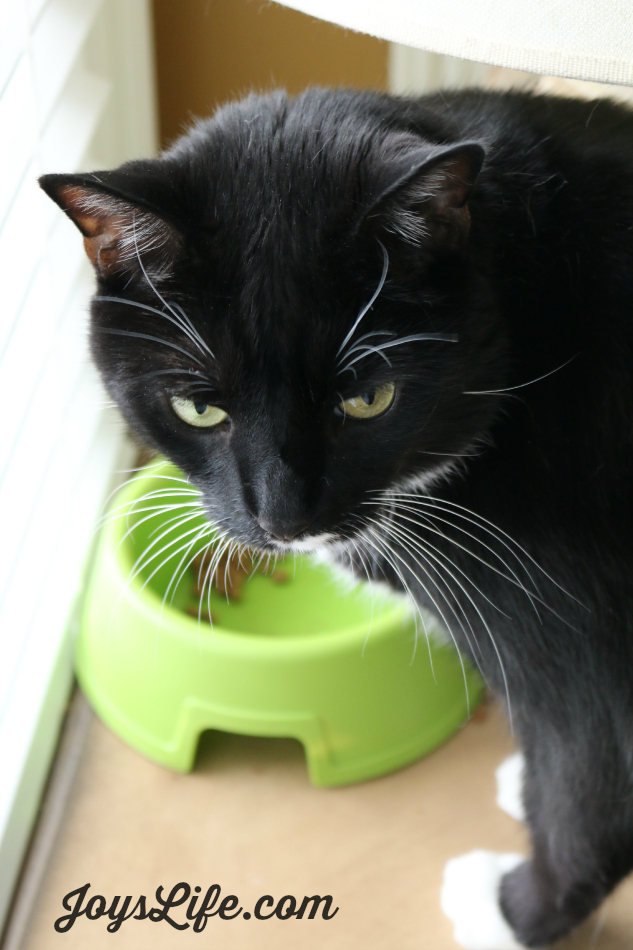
(426, 202)
(121, 235)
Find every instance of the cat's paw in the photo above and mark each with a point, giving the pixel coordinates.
(470, 899)
(509, 777)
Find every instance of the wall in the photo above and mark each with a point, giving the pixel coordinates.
(209, 51)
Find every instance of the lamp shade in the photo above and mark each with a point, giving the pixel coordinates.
(577, 39)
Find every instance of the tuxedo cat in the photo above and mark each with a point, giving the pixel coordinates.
(401, 330)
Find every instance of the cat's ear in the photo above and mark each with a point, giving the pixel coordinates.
(121, 235)
(425, 203)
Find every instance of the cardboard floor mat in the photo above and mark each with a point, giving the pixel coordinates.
(248, 820)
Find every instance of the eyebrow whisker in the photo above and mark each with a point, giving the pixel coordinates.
(369, 305)
(154, 339)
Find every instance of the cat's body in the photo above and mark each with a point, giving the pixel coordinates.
(269, 227)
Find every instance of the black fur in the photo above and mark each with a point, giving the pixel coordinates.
(271, 220)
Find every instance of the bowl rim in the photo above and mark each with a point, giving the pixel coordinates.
(393, 615)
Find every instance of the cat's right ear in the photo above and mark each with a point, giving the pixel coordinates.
(121, 235)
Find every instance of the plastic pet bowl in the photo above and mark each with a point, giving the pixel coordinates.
(304, 658)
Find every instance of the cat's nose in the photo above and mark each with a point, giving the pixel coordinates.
(280, 531)
(285, 501)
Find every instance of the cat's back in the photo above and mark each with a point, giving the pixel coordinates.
(598, 127)
(557, 182)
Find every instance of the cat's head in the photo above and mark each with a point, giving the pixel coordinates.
(289, 306)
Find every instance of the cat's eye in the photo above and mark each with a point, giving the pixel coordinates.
(196, 412)
(369, 404)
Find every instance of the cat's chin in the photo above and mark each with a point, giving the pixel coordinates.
(311, 544)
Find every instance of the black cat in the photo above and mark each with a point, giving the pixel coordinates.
(403, 328)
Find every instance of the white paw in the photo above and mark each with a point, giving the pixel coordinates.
(470, 899)
(510, 786)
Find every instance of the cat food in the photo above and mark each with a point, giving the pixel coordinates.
(228, 575)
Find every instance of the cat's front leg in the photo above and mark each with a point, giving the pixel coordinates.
(541, 908)
(582, 838)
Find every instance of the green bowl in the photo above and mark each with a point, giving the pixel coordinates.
(309, 658)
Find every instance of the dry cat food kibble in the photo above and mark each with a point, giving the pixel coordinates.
(227, 575)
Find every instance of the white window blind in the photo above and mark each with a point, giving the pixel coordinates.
(76, 92)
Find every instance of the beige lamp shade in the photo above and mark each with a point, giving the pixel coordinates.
(577, 39)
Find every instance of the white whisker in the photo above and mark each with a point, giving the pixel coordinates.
(393, 529)
(484, 521)
(442, 337)
(492, 392)
(176, 321)
(368, 306)
(498, 655)
(197, 339)
(513, 579)
(143, 562)
(140, 474)
(178, 574)
(153, 339)
(380, 550)
(155, 512)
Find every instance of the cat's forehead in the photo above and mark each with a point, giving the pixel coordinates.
(278, 169)
(273, 216)
(279, 190)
